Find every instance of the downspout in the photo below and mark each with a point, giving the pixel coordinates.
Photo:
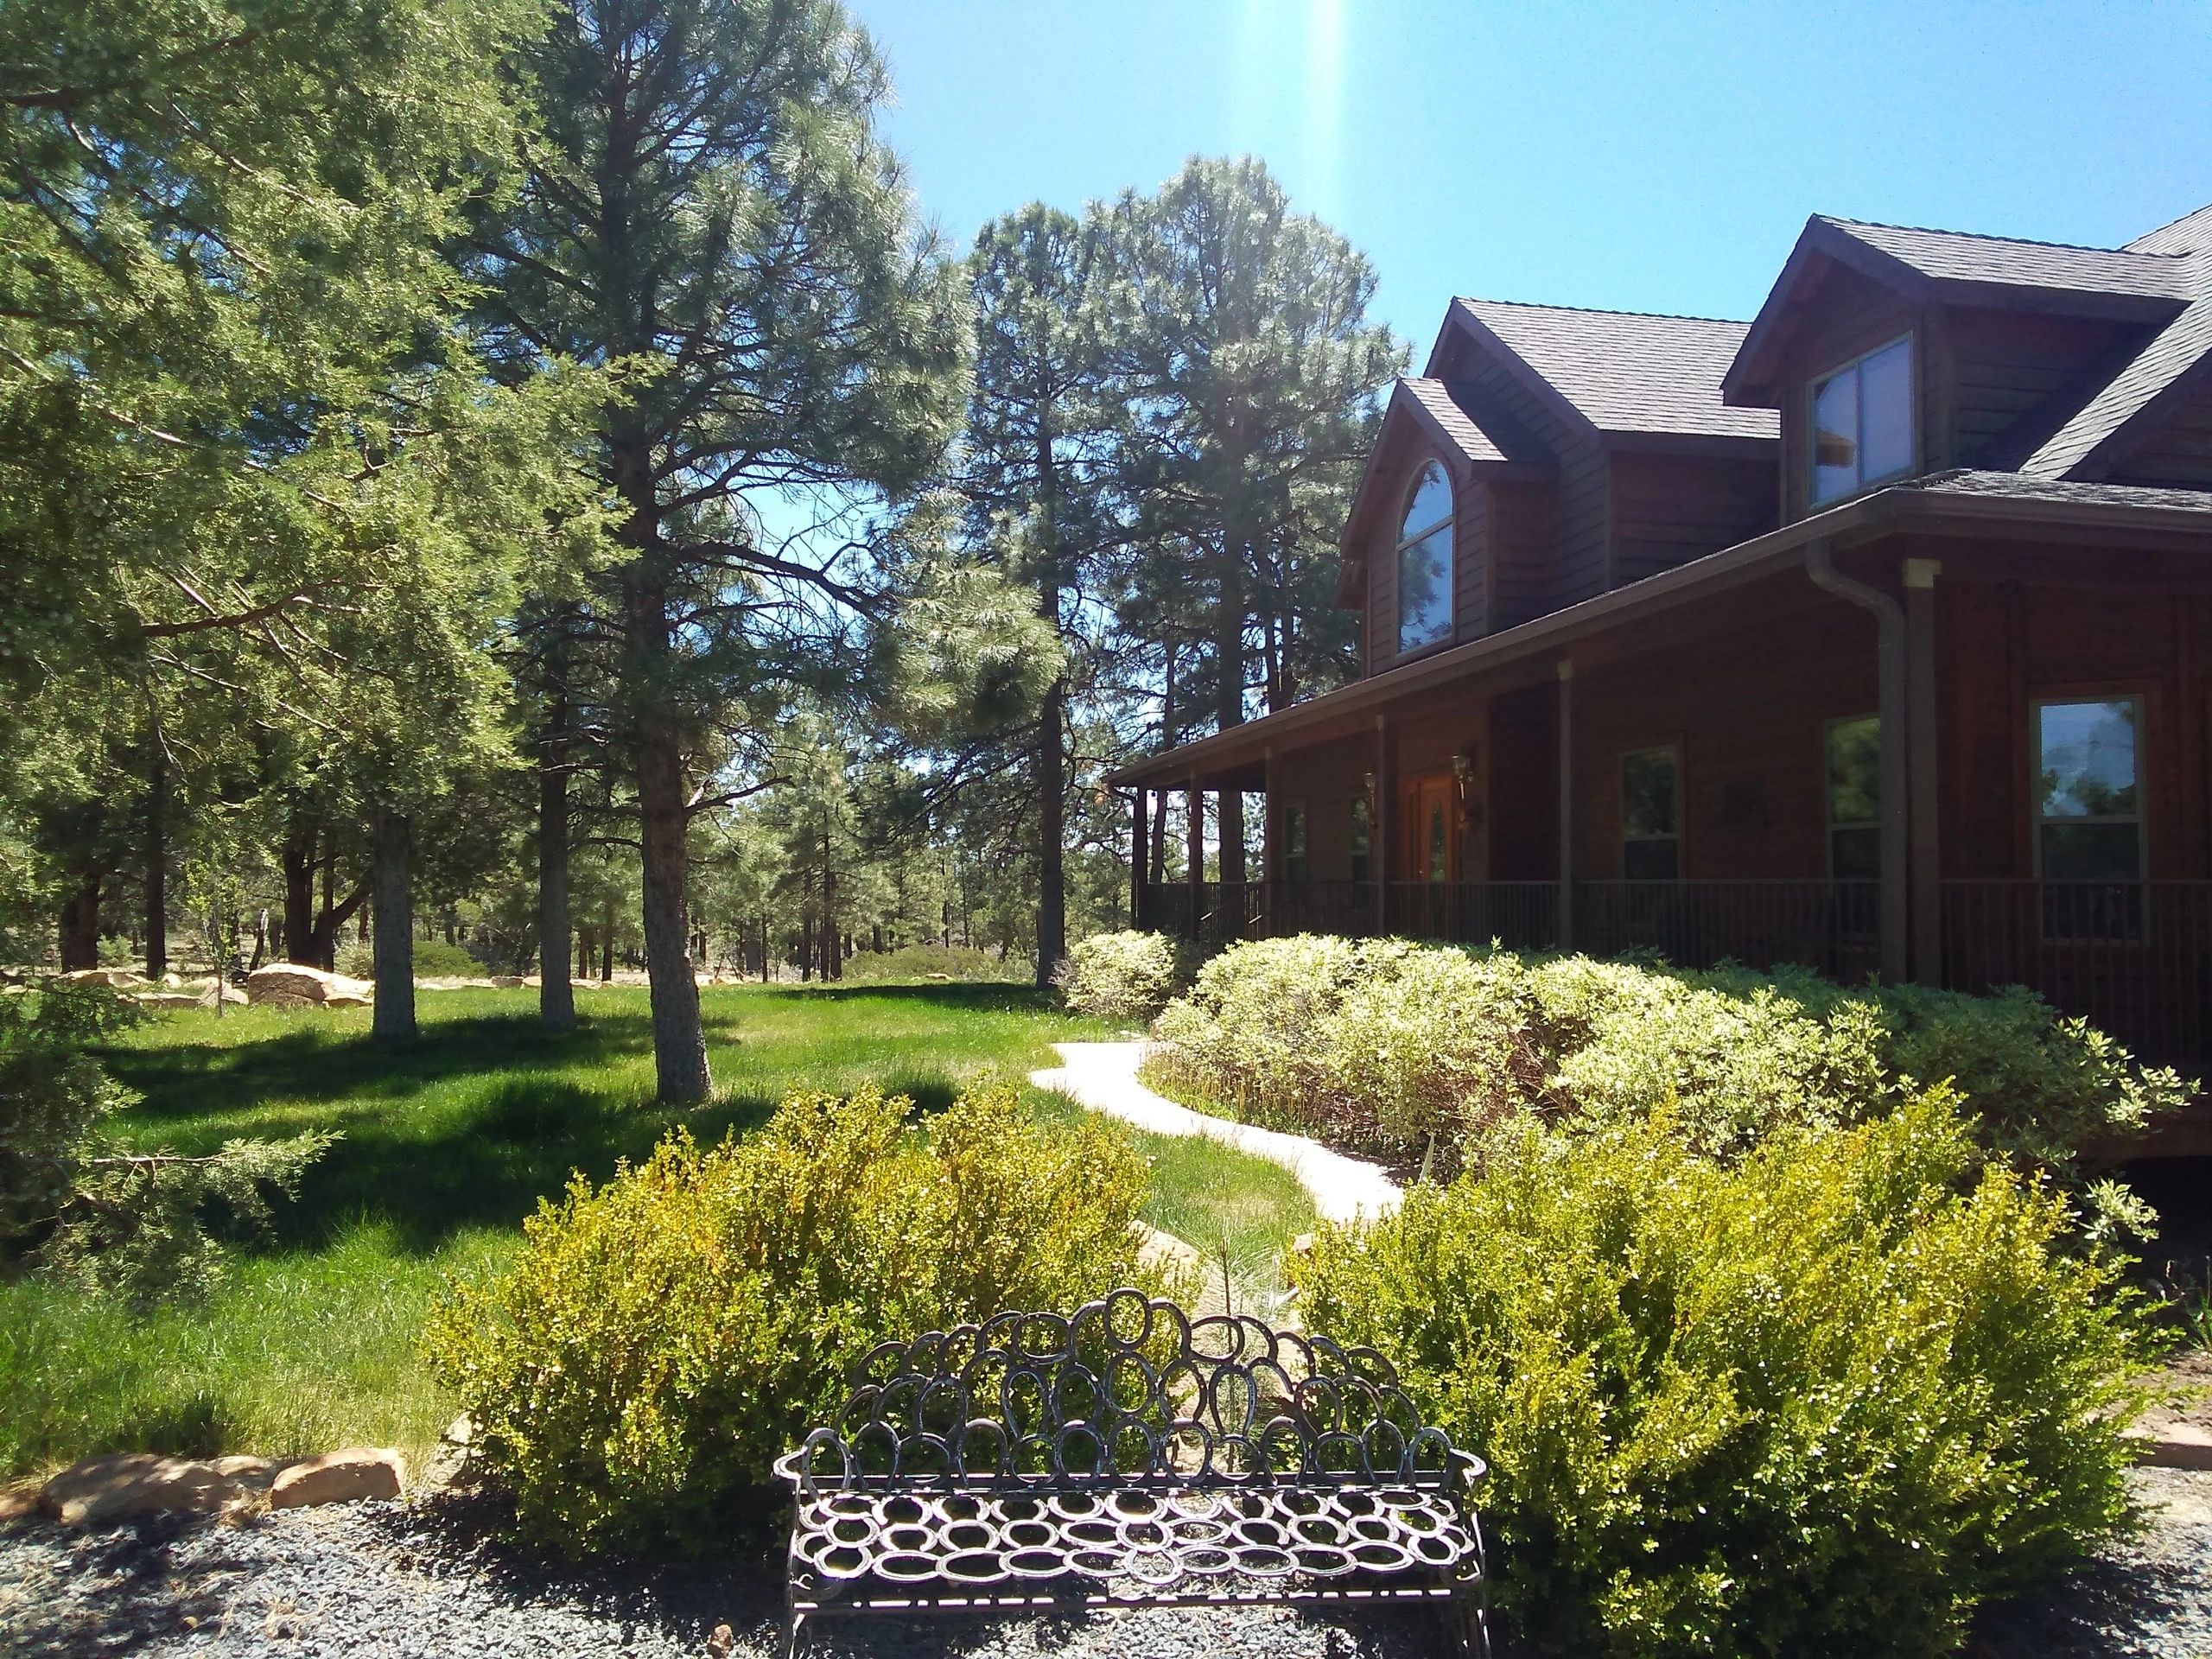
(1892, 691)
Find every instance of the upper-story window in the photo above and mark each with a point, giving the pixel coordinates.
(1425, 561)
(1862, 423)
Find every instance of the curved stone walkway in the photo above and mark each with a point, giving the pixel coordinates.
(1103, 1078)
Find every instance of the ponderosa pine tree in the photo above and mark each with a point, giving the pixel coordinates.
(708, 205)
(1037, 437)
(1240, 343)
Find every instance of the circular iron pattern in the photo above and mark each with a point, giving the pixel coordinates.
(1129, 1446)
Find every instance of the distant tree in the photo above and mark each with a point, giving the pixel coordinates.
(1240, 343)
(1037, 438)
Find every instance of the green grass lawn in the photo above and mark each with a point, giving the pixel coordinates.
(310, 1340)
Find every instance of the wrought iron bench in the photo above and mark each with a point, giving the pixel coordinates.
(1129, 1455)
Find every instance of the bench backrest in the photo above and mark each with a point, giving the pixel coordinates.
(1127, 1390)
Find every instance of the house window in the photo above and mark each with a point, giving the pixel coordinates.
(1360, 814)
(1425, 561)
(1855, 799)
(1293, 823)
(1862, 423)
(1438, 849)
(2089, 817)
(1651, 841)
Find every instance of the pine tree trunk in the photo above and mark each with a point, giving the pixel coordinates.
(679, 1043)
(81, 926)
(393, 1022)
(607, 942)
(556, 999)
(297, 857)
(1052, 836)
(158, 871)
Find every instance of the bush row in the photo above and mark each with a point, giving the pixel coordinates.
(1827, 1398)
(1382, 1044)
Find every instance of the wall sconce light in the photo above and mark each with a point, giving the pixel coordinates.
(1463, 778)
(1370, 788)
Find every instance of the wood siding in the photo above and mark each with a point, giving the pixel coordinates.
(2178, 451)
(1469, 561)
(1520, 536)
(2014, 378)
(1668, 510)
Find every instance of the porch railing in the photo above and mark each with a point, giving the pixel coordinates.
(2134, 958)
(1833, 927)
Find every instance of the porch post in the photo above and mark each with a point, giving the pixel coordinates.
(1270, 842)
(1921, 738)
(1565, 929)
(1378, 824)
(1892, 711)
(1194, 855)
(1137, 849)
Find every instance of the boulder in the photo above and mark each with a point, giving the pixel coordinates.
(121, 979)
(289, 985)
(506, 982)
(348, 1000)
(346, 1477)
(99, 1489)
(453, 1465)
(231, 994)
(166, 999)
(18, 1500)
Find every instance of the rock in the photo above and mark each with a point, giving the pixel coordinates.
(2176, 1445)
(254, 1473)
(18, 1500)
(506, 982)
(1302, 1245)
(289, 985)
(1158, 1249)
(453, 1465)
(346, 1477)
(232, 996)
(161, 1001)
(136, 1483)
(174, 982)
(121, 979)
(346, 1000)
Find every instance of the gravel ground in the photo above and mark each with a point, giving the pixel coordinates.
(378, 1581)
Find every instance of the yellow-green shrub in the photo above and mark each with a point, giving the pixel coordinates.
(662, 1338)
(1125, 976)
(1825, 1399)
(1380, 1044)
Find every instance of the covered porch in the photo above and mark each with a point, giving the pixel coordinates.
(1849, 754)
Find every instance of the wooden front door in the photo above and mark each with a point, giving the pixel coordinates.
(1431, 848)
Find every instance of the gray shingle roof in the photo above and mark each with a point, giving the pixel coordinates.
(2190, 233)
(1456, 423)
(1958, 257)
(1626, 371)
(2022, 486)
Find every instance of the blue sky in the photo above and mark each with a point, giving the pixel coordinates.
(1658, 156)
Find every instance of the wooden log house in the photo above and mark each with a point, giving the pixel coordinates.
(1872, 634)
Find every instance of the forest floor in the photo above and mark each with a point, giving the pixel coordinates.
(310, 1341)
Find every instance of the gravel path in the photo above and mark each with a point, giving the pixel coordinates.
(378, 1581)
(1103, 1078)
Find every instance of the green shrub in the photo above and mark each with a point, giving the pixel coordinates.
(915, 963)
(1827, 1399)
(434, 959)
(661, 1339)
(1380, 1044)
(1125, 976)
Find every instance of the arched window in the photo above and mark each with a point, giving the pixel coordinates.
(1425, 561)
